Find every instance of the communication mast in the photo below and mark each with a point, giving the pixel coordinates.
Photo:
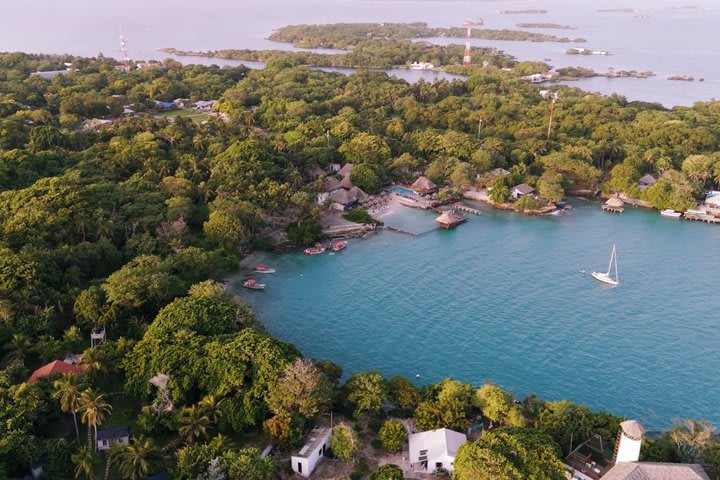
(124, 52)
(469, 23)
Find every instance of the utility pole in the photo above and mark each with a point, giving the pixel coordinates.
(479, 127)
(552, 110)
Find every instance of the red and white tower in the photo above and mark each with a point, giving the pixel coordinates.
(467, 59)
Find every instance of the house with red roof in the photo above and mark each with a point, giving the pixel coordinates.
(58, 366)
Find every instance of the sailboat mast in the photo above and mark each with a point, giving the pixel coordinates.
(617, 272)
(611, 260)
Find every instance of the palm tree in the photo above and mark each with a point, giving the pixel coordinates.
(94, 410)
(84, 460)
(194, 423)
(17, 348)
(137, 459)
(221, 443)
(68, 390)
(93, 363)
(211, 407)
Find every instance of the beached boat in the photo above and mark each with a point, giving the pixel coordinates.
(316, 250)
(253, 285)
(605, 276)
(337, 246)
(670, 213)
(263, 269)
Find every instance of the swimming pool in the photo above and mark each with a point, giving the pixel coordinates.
(402, 190)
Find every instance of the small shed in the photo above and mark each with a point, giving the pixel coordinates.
(614, 205)
(424, 185)
(335, 167)
(435, 449)
(306, 459)
(521, 190)
(646, 181)
(449, 219)
(107, 437)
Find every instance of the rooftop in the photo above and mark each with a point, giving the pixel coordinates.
(113, 433)
(589, 458)
(57, 366)
(655, 471)
(435, 443)
(317, 437)
(524, 188)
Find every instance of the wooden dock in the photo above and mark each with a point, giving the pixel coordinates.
(400, 230)
(702, 218)
(613, 209)
(466, 209)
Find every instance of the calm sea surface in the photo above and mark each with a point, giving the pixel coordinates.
(501, 298)
(664, 40)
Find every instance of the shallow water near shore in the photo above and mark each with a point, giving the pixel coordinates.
(501, 299)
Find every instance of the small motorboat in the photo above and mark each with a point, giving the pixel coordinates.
(316, 250)
(263, 269)
(582, 271)
(337, 246)
(253, 285)
(668, 212)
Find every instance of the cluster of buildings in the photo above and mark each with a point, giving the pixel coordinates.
(434, 452)
(340, 191)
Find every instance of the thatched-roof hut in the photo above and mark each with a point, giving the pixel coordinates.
(346, 183)
(342, 197)
(357, 194)
(449, 219)
(346, 170)
(614, 204)
(331, 184)
(424, 185)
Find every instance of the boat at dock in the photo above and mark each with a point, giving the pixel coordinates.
(605, 277)
(253, 285)
(316, 250)
(263, 269)
(668, 212)
(339, 245)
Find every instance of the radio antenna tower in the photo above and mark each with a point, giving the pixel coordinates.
(466, 57)
(124, 51)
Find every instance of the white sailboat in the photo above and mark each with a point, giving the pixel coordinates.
(605, 276)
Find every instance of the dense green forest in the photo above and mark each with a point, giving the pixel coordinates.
(132, 226)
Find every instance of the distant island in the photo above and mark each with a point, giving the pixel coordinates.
(618, 10)
(555, 26)
(585, 51)
(529, 10)
(347, 35)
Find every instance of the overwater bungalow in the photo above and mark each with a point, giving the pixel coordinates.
(614, 205)
(449, 219)
(424, 185)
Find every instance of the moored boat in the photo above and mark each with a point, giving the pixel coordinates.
(263, 269)
(668, 212)
(253, 285)
(316, 250)
(605, 277)
(337, 246)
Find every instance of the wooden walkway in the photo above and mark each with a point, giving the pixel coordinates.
(703, 218)
(400, 230)
(466, 209)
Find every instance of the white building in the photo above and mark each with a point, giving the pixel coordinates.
(108, 437)
(305, 460)
(629, 442)
(521, 190)
(435, 449)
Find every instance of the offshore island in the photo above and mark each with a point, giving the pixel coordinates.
(132, 190)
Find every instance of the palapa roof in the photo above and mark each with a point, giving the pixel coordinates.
(315, 171)
(357, 194)
(346, 183)
(614, 202)
(449, 217)
(57, 366)
(496, 172)
(341, 196)
(435, 444)
(647, 180)
(424, 183)
(346, 170)
(523, 189)
(655, 471)
(632, 429)
(331, 183)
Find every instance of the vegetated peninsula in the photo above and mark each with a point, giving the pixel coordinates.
(618, 10)
(347, 35)
(554, 26)
(121, 216)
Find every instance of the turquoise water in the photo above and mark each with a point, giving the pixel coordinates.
(500, 298)
(403, 190)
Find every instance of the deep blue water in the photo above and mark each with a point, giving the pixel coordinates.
(500, 298)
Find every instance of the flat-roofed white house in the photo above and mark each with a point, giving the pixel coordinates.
(435, 449)
(306, 459)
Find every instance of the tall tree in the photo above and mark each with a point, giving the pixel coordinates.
(137, 459)
(194, 423)
(68, 390)
(94, 409)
